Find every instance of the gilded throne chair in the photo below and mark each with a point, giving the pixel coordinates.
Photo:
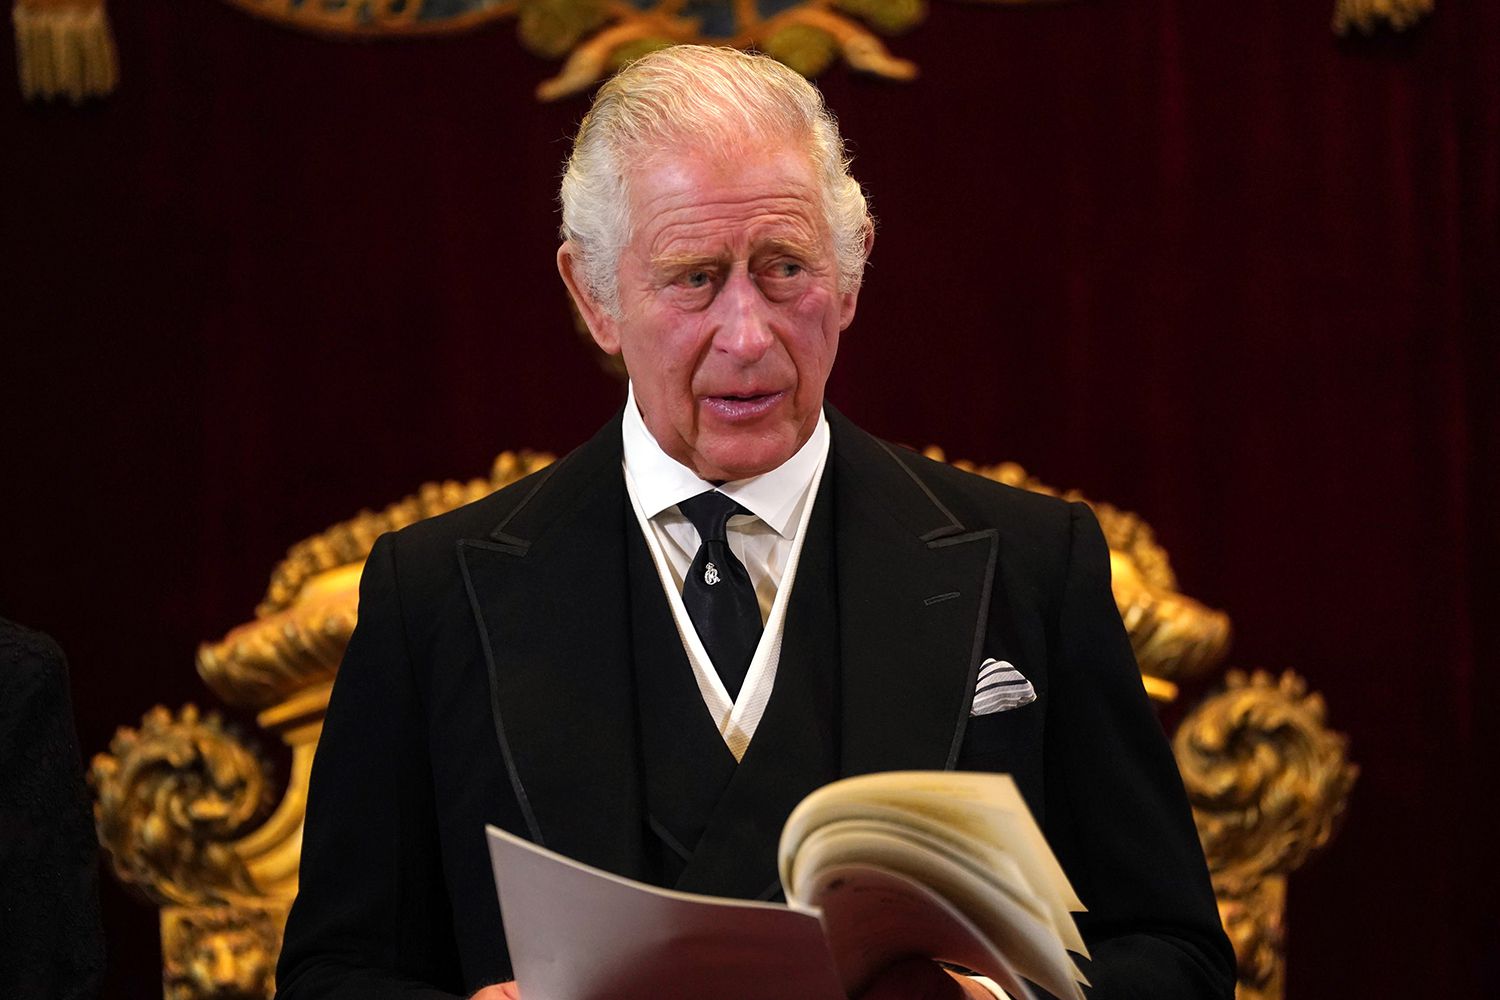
(187, 809)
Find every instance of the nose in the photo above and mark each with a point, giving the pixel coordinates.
(744, 328)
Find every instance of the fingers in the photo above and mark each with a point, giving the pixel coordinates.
(500, 991)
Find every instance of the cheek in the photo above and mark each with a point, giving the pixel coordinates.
(813, 322)
(669, 359)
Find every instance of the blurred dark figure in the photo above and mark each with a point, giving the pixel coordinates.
(51, 940)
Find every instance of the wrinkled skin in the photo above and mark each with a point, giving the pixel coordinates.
(729, 307)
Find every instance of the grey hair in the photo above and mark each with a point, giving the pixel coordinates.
(714, 98)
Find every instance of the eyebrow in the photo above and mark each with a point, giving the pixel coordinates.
(795, 248)
(672, 263)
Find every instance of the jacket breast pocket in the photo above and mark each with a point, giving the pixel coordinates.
(1008, 741)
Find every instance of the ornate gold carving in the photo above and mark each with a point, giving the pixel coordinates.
(170, 798)
(220, 953)
(1367, 15)
(597, 37)
(1173, 636)
(1268, 782)
(1268, 778)
(808, 36)
(1255, 920)
(271, 657)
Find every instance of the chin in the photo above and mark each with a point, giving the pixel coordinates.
(745, 465)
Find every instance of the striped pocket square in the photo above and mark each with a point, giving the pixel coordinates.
(1000, 687)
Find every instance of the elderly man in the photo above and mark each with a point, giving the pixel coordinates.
(645, 655)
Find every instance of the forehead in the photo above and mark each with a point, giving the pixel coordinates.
(694, 198)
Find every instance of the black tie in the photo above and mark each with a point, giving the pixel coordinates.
(717, 592)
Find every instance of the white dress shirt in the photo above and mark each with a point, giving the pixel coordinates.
(768, 542)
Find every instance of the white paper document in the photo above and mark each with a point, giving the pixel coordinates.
(877, 869)
(577, 933)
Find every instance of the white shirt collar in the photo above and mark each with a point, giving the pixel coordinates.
(776, 497)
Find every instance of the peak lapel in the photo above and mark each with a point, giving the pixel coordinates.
(914, 593)
(547, 588)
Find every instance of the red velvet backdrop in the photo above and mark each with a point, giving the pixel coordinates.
(1202, 260)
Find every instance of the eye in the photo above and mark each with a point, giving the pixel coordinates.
(786, 269)
(695, 279)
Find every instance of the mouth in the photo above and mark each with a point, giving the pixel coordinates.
(745, 406)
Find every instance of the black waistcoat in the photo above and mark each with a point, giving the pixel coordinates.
(714, 823)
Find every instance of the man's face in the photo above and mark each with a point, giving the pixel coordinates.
(730, 312)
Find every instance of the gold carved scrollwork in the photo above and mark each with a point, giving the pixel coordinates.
(171, 797)
(1268, 782)
(220, 952)
(1268, 778)
(597, 37)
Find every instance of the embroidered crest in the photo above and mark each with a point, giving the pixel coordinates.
(594, 38)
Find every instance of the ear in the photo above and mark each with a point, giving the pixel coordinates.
(850, 298)
(602, 326)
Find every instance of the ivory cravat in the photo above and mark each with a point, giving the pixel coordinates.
(717, 591)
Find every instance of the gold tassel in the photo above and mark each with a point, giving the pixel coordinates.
(64, 49)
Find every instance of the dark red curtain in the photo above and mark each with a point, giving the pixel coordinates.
(1202, 260)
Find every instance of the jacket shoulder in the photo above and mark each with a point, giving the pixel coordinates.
(1037, 532)
(984, 503)
(475, 519)
(424, 552)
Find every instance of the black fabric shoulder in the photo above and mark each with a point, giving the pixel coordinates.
(52, 943)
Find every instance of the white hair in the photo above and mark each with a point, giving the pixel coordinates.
(709, 97)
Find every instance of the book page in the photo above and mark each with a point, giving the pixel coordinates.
(982, 814)
(982, 861)
(875, 918)
(1029, 943)
(578, 933)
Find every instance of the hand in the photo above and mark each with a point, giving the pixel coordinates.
(922, 979)
(500, 991)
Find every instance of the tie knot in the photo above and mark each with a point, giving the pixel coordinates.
(710, 513)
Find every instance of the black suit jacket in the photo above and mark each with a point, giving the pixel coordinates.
(490, 681)
(51, 940)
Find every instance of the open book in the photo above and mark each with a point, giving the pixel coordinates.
(942, 864)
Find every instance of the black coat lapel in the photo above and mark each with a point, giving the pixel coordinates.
(548, 589)
(914, 595)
